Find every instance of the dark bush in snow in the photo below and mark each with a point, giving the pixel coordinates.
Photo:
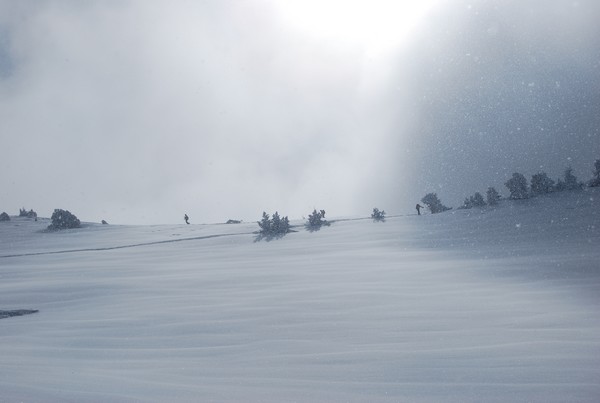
(316, 220)
(517, 186)
(541, 183)
(280, 225)
(569, 182)
(466, 204)
(63, 219)
(233, 222)
(273, 227)
(265, 224)
(4, 217)
(477, 200)
(492, 196)
(473, 201)
(28, 214)
(434, 204)
(596, 179)
(378, 215)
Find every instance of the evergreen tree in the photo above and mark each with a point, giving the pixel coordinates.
(273, 227)
(4, 217)
(63, 219)
(28, 214)
(492, 196)
(596, 179)
(378, 215)
(276, 223)
(571, 180)
(434, 204)
(517, 186)
(477, 200)
(468, 203)
(541, 183)
(473, 201)
(316, 220)
(265, 224)
(284, 227)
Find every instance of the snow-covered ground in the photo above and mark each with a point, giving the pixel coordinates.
(484, 305)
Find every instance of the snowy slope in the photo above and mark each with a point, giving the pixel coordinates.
(473, 305)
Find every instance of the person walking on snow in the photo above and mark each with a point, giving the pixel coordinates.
(419, 207)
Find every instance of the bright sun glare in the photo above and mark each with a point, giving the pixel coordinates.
(378, 26)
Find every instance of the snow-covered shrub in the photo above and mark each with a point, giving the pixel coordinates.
(517, 186)
(596, 179)
(569, 181)
(477, 200)
(63, 219)
(378, 215)
(560, 186)
(541, 183)
(284, 225)
(434, 204)
(279, 225)
(4, 217)
(316, 220)
(273, 227)
(265, 224)
(466, 204)
(28, 214)
(492, 196)
(473, 201)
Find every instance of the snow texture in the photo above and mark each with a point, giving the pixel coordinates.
(493, 304)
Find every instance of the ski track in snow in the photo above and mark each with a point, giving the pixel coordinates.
(123, 246)
(489, 305)
(294, 228)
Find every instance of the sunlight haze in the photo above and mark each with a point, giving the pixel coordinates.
(378, 26)
(139, 112)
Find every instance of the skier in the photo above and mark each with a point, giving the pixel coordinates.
(186, 218)
(419, 207)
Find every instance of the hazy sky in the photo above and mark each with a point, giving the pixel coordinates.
(140, 111)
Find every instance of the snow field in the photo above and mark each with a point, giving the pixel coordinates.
(473, 305)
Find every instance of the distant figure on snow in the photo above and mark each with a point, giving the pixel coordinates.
(419, 207)
(186, 218)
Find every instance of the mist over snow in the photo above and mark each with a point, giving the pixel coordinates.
(499, 87)
(138, 112)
